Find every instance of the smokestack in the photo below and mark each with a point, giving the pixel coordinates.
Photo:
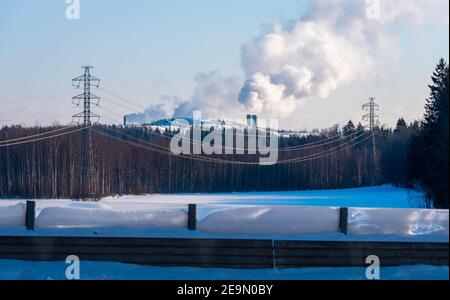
(252, 120)
(255, 120)
(249, 120)
(124, 121)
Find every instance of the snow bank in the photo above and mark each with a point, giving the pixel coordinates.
(12, 215)
(92, 215)
(402, 222)
(281, 220)
(25, 270)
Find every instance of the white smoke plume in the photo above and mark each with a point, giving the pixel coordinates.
(214, 95)
(335, 43)
(163, 110)
(287, 66)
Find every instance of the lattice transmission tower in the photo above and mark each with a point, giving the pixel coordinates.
(373, 119)
(87, 171)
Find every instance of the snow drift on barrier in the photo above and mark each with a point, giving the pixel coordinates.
(270, 220)
(95, 215)
(404, 222)
(228, 219)
(12, 214)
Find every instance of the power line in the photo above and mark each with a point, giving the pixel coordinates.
(111, 119)
(321, 143)
(44, 138)
(32, 136)
(35, 97)
(123, 98)
(300, 147)
(6, 121)
(336, 149)
(221, 161)
(248, 135)
(121, 105)
(44, 115)
(163, 150)
(111, 111)
(127, 83)
(143, 107)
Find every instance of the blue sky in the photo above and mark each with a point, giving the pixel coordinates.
(161, 46)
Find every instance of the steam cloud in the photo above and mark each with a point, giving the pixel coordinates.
(285, 67)
(334, 44)
(214, 95)
(163, 110)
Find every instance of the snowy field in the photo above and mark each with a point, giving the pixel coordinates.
(19, 270)
(371, 197)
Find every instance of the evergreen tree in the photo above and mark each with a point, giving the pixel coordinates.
(401, 126)
(349, 129)
(433, 153)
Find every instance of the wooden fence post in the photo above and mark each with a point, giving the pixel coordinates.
(343, 220)
(192, 217)
(30, 215)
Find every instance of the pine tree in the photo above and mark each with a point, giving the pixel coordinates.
(349, 129)
(401, 126)
(436, 138)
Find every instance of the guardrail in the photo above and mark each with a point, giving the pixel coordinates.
(294, 254)
(223, 253)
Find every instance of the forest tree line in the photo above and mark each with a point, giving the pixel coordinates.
(412, 155)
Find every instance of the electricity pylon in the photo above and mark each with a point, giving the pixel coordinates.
(87, 97)
(372, 118)
(87, 172)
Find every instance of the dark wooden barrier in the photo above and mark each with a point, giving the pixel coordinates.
(143, 251)
(295, 254)
(225, 253)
